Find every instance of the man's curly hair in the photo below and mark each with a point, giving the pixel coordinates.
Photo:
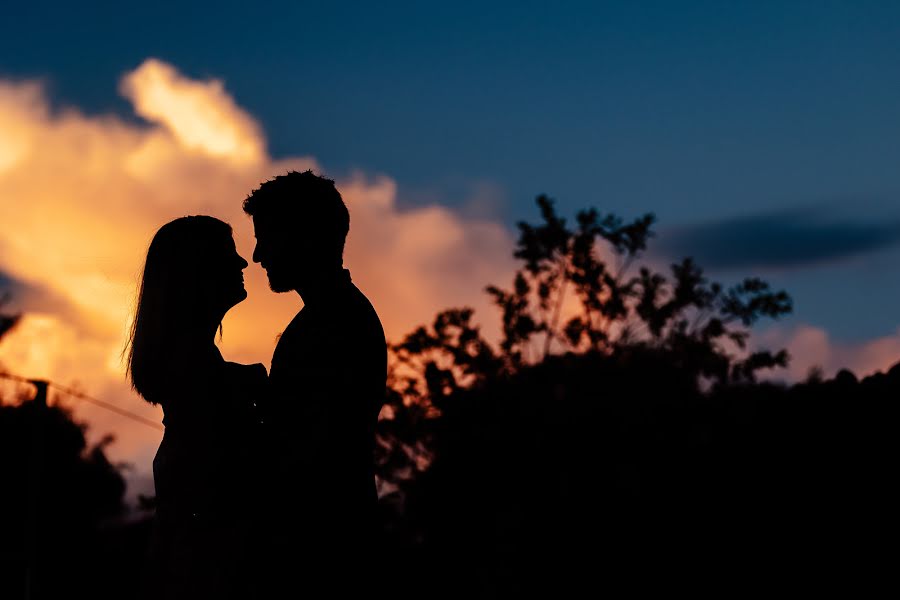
(304, 203)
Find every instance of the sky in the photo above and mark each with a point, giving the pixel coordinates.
(763, 135)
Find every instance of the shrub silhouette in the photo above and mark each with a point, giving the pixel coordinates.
(696, 326)
(61, 506)
(620, 440)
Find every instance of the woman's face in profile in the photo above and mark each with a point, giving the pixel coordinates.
(224, 280)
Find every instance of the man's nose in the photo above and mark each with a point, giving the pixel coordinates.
(256, 254)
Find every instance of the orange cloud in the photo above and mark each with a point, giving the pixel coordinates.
(199, 114)
(83, 195)
(18, 104)
(810, 347)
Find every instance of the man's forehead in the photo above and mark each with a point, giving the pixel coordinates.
(263, 223)
(278, 224)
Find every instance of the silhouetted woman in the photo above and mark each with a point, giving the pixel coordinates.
(203, 470)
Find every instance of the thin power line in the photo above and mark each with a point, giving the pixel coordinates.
(82, 396)
(108, 406)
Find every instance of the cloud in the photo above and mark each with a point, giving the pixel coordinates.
(18, 295)
(200, 114)
(20, 104)
(811, 347)
(81, 197)
(786, 239)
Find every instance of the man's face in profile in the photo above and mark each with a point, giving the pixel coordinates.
(275, 251)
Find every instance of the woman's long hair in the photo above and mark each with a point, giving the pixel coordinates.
(170, 297)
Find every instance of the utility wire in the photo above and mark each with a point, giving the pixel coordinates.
(82, 396)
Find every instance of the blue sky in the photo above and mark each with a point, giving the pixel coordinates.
(775, 122)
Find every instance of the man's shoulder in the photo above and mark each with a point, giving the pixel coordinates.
(361, 304)
(347, 316)
(362, 319)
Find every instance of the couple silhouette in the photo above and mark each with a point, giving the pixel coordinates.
(265, 483)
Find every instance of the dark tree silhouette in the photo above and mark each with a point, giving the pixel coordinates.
(616, 435)
(60, 506)
(700, 326)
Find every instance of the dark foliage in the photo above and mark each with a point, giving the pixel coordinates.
(618, 473)
(699, 327)
(631, 447)
(615, 440)
(61, 509)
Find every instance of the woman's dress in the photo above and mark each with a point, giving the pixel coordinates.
(205, 478)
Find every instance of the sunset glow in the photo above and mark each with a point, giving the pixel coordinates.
(83, 195)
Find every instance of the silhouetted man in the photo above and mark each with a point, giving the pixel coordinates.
(328, 382)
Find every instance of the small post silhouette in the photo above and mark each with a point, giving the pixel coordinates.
(35, 476)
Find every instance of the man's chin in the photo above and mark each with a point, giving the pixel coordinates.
(279, 287)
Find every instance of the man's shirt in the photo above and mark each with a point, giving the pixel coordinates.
(328, 385)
